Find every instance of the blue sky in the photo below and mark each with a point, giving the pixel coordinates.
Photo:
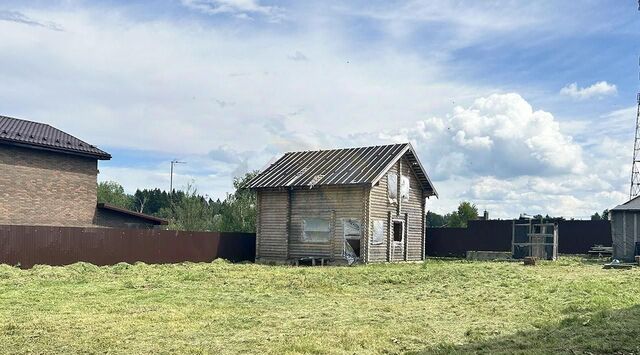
(517, 106)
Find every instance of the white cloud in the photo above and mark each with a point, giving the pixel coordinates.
(599, 89)
(212, 174)
(187, 89)
(530, 165)
(19, 17)
(568, 195)
(467, 23)
(228, 98)
(298, 57)
(242, 9)
(498, 135)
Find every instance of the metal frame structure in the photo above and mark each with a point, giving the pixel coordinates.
(635, 166)
(538, 237)
(634, 190)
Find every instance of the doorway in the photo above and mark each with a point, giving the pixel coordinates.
(398, 231)
(352, 234)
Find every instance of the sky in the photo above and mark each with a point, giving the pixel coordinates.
(516, 106)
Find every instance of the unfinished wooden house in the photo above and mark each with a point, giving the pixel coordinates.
(362, 204)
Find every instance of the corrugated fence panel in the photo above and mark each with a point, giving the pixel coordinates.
(30, 245)
(574, 237)
(447, 242)
(577, 237)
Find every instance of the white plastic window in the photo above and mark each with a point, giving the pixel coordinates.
(317, 230)
(392, 187)
(378, 232)
(405, 188)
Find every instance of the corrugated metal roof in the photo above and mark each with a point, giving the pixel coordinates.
(40, 135)
(631, 205)
(348, 166)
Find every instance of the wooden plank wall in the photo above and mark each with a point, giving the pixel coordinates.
(379, 210)
(271, 240)
(411, 211)
(331, 202)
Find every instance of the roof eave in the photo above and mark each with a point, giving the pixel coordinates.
(432, 188)
(105, 156)
(106, 206)
(366, 184)
(408, 148)
(432, 193)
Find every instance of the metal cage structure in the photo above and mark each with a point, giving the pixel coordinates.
(535, 239)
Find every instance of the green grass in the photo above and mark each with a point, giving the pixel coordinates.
(569, 306)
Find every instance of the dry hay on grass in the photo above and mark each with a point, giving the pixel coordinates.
(441, 306)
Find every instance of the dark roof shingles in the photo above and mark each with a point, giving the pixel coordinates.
(17, 131)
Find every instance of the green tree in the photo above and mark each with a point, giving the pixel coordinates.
(190, 212)
(187, 210)
(113, 193)
(596, 217)
(435, 220)
(151, 201)
(238, 212)
(466, 212)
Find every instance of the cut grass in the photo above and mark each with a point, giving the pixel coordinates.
(569, 306)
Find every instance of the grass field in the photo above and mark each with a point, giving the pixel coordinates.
(569, 306)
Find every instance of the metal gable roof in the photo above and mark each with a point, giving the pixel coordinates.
(348, 166)
(42, 136)
(631, 205)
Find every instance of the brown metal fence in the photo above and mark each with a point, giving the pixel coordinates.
(30, 245)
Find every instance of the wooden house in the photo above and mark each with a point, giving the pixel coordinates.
(342, 205)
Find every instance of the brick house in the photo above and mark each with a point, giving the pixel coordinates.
(49, 177)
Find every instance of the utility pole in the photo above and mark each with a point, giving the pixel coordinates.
(173, 162)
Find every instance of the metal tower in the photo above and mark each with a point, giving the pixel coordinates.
(635, 167)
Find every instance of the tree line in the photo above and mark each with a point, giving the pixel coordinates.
(456, 219)
(187, 209)
(467, 212)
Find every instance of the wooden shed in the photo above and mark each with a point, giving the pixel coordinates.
(362, 204)
(625, 220)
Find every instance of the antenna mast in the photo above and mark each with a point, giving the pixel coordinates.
(635, 167)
